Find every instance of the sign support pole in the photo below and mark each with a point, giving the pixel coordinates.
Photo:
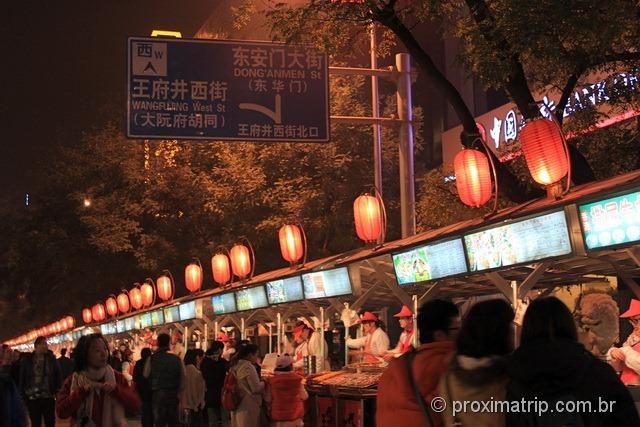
(375, 113)
(407, 192)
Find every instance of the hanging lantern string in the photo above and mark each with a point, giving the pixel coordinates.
(565, 144)
(483, 143)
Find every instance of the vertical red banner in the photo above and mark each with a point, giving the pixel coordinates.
(351, 413)
(326, 412)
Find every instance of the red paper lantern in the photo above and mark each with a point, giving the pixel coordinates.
(240, 260)
(193, 277)
(148, 294)
(71, 322)
(291, 243)
(473, 177)
(544, 150)
(368, 215)
(221, 268)
(112, 306)
(135, 297)
(86, 315)
(123, 302)
(63, 324)
(98, 313)
(164, 287)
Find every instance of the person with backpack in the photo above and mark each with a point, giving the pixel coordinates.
(285, 395)
(407, 388)
(214, 369)
(552, 366)
(478, 371)
(242, 391)
(166, 373)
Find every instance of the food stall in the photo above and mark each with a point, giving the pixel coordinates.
(522, 251)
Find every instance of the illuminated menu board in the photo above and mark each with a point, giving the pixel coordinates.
(224, 304)
(284, 290)
(172, 314)
(157, 318)
(611, 222)
(145, 320)
(108, 328)
(251, 298)
(327, 283)
(120, 326)
(188, 310)
(432, 261)
(130, 323)
(521, 241)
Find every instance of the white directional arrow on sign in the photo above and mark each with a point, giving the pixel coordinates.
(276, 115)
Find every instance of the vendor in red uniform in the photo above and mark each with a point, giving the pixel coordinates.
(405, 343)
(374, 344)
(626, 359)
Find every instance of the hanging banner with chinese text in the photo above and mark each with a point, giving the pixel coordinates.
(226, 90)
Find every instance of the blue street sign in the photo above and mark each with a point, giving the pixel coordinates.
(226, 90)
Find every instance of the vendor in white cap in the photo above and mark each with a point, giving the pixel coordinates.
(373, 346)
(308, 344)
(626, 359)
(285, 395)
(405, 343)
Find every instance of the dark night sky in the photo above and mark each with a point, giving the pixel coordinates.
(62, 62)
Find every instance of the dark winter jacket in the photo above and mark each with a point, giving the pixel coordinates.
(142, 384)
(564, 370)
(213, 372)
(52, 371)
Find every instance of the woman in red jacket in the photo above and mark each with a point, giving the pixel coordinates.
(95, 394)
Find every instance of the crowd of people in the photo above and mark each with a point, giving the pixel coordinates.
(95, 387)
(474, 360)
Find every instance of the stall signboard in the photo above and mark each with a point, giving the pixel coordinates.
(145, 320)
(157, 318)
(76, 334)
(327, 283)
(172, 314)
(224, 303)
(431, 261)
(108, 328)
(284, 290)
(120, 326)
(188, 310)
(611, 222)
(521, 241)
(131, 323)
(226, 90)
(251, 298)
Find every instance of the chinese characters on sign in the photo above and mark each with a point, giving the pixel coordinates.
(610, 222)
(226, 90)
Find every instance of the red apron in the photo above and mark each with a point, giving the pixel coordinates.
(406, 341)
(369, 358)
(629, 376)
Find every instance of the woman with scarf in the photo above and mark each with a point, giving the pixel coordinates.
(95, 395)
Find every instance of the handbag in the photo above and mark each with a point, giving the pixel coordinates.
(416, 392)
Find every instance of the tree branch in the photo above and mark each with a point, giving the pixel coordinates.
(388, 18)
(566, 93)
